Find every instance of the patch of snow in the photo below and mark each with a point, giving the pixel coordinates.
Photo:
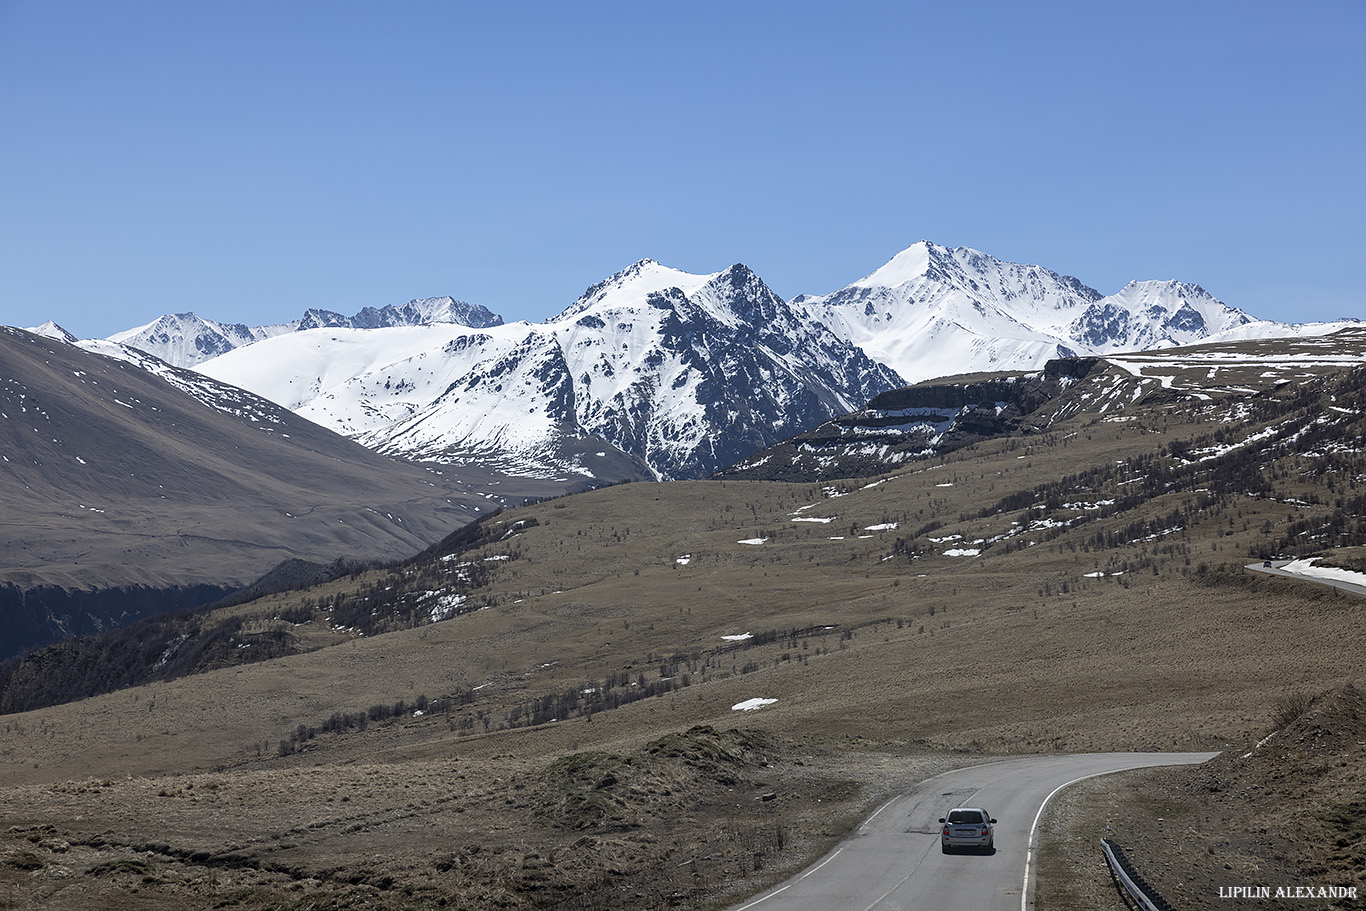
(750, 705)
(1307, 568)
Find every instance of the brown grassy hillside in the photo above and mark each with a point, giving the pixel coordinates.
(577, 744)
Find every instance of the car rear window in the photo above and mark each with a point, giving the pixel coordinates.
(965, 817)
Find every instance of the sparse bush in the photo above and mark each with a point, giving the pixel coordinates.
(1291, 708)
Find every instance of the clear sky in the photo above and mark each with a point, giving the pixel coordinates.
(248, 160)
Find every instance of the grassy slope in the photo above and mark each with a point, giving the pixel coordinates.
(881, 666)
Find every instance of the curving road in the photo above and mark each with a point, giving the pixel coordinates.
(892, 862)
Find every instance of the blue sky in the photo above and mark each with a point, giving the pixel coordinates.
(248, 160)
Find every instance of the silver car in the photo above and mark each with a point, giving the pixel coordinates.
(968, 827)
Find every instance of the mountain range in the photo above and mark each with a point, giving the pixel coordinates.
(660, 373)
(933, 311)
(685, 373)
(186, 339)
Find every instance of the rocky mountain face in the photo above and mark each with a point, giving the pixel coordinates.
(413, 313)
(678, 373)
(920, 421)
(692, 380)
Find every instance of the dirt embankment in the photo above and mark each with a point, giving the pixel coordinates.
(690, 821)
(1279, 823)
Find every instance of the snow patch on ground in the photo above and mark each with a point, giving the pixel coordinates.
(750, 705)
(1307, 568)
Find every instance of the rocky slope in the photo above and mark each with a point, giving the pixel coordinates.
(941, 415)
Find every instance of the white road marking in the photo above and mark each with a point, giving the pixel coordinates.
(794, 882)
(1029, 853)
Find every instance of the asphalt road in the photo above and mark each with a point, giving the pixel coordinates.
(892, 862)
(1275, 570)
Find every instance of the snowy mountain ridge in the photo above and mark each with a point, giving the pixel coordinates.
(657, 372)
(187, 339)
(934, 311)
(681, 373)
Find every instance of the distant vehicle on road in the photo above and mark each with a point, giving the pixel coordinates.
(967, 827)
(1266, 565)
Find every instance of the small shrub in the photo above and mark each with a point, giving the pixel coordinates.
(1291, 708)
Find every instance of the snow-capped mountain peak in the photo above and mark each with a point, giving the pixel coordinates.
(908, 265)
(633, 284)
(413, 313)
(187, 339)
(934, 311)
(683, 373)
(1153, 314)
(53, 331)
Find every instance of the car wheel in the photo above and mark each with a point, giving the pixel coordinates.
(943, 848)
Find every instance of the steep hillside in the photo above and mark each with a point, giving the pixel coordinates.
(941, 415)
(1281, 811)
(124, 494)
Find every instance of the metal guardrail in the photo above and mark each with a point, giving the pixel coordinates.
(1142, 893)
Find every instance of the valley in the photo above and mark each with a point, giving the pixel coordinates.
(672, 695)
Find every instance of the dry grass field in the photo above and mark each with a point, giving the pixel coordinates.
(571, 739)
